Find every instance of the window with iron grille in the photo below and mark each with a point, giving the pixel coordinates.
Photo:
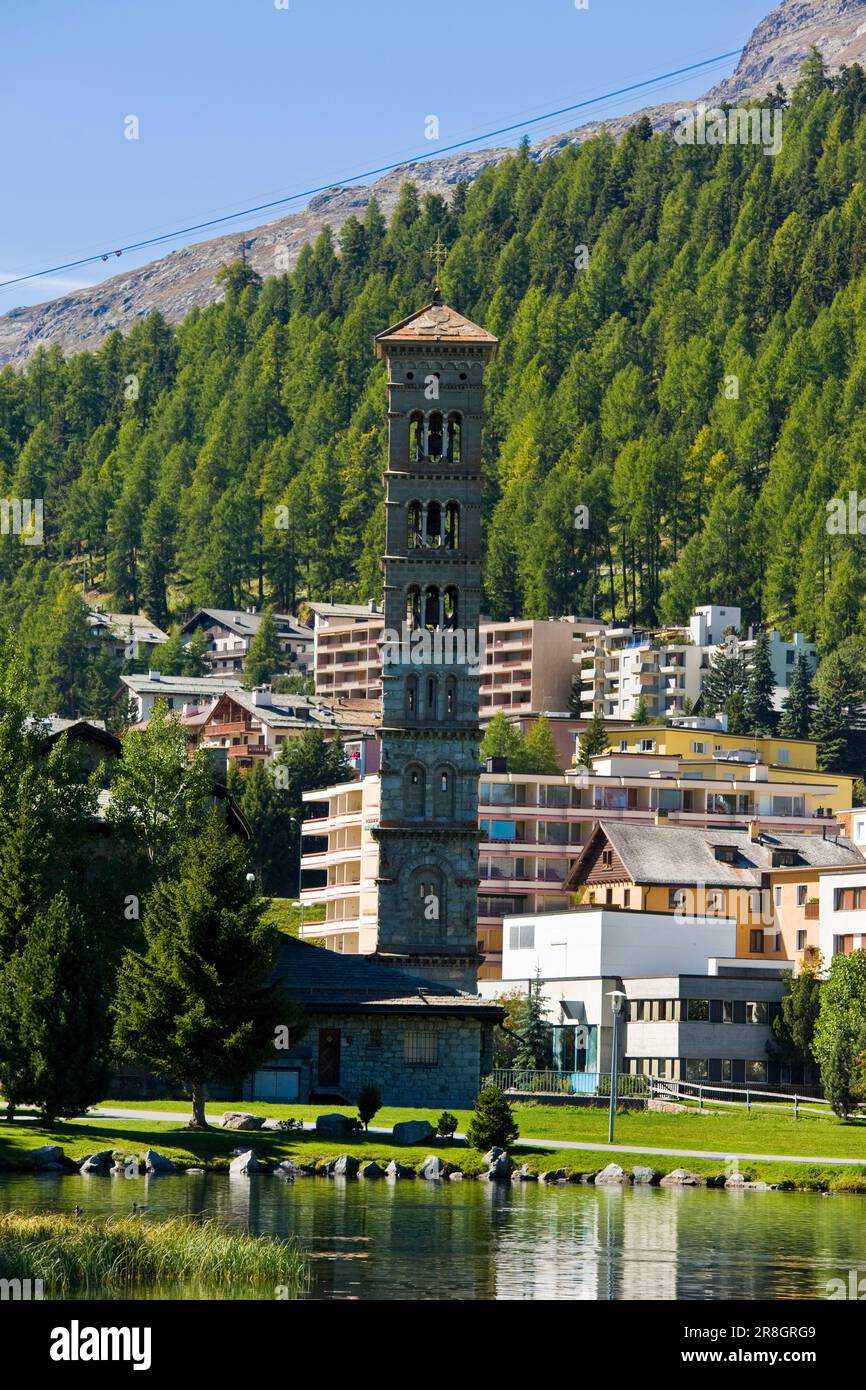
(421, 1049)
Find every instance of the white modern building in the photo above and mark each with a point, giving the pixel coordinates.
(841, 912)
(694, 1011)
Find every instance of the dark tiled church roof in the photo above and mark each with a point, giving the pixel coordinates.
(324, 980)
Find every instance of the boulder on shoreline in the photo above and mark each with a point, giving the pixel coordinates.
(346, 1166)
(681, 1177)
(645, 1177)
(554, 1175)
(49, 1158)
(500, 1166)
(96, 1165)
(371, 1170)
(522, 1174)
(432, 1168)
(158, 1163)
(612, 1176)
(398, 1170)
(247, 1163)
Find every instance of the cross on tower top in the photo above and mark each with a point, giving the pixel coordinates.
(439, 252)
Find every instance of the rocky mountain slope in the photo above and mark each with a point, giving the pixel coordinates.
(183, 278)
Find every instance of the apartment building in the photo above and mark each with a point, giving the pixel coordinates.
(346, 655)
(124, 636)
(622, 667)
(534, 827)
(853, 823)
(730, 872)
(841, 912)
(526, 665)
(229, 633)
(693, 737)
(251, 725)
(189, 696)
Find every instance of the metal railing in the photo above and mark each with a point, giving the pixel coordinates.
(696, 1092)
(567, 1083)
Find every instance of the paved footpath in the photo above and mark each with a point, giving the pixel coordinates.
(529, 1141)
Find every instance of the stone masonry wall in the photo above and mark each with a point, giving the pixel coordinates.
(373, 1050)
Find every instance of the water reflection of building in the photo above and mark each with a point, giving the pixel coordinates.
(650, 1243)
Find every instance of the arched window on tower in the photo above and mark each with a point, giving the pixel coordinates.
(426, 904)
(413, 525)
(443, 794)
(432, 607)
(414, 805)
(435, 435)
(434, 524)
(413, 606)
(452, 525)
(455, 432)
(411, 697)
(416, 436)
(451, 697)
(432, 708)
(449, 608)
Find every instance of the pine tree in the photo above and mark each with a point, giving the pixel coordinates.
(829, 728)
(797, 705)
(493, 1124)
(758, 710)
(530, 1022)
(273, 852)
(197, 1005)
(54, 1016)
(794, 1027)
(593, 741)
(264, 657)
(726, 677)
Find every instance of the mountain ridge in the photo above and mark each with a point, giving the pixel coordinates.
(184, 278)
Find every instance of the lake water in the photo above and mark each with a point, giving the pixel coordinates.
(471, 1240)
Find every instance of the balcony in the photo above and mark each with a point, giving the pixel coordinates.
(811, 912)
(248, 750)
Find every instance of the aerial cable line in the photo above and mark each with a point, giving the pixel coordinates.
(369, 173)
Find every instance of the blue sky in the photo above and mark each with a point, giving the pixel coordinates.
(240, 102)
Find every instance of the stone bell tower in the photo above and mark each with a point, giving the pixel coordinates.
(428, 822)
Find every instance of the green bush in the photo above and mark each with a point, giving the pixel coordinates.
(493, 1123)
(446, 1124)
(369, 1102)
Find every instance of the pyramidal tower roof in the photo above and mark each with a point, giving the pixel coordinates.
(436, 323)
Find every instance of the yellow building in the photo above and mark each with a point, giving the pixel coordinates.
(764, 881)
(681, 741)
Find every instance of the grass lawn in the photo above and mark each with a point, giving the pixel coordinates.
(723, 1131)
(720, 1130)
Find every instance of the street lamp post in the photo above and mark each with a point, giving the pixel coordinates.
(617, 1003)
